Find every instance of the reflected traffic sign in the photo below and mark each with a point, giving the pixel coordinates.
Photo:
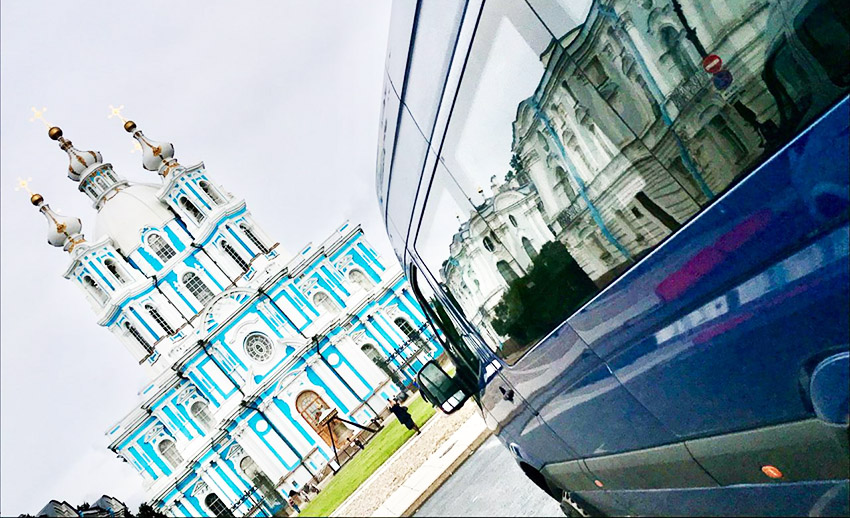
(712, 64)
(722, 79)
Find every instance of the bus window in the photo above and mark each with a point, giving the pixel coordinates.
(542, 195)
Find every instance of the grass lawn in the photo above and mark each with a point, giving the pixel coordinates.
(379, 449)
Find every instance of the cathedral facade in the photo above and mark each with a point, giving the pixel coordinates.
(257, 358)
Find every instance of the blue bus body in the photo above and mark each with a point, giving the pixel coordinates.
(696, 358)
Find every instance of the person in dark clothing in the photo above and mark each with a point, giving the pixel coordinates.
(403, 415)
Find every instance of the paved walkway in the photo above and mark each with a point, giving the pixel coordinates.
(413, 472)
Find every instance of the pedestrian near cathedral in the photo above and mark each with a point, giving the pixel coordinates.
(403, 415)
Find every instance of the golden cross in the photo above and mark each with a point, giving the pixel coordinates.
(113, 112)
(24, 184)
(39, 115)
(136, 147)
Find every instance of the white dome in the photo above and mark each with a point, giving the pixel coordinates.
(130, 210)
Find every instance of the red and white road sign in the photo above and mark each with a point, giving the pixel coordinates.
(712, 64)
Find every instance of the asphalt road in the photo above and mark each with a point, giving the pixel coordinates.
(489, 483)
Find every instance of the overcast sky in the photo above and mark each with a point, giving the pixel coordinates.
(281, 101)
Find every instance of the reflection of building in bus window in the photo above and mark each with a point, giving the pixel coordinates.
(622, 141)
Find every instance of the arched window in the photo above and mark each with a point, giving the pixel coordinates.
(359, 279)
(160, 247)
(259, 347)
(169, 452)
(253, 237)
(94, 289)
(373, 354)
(155, 314)
(229, 250)
(114, 270)
(101, 183)
(256, 475)
(506, 271)
(529, 248)
(672, 41)
(191, 210)
(488, 244)
(138, 336)
(216, 506)
(197, 287)
(322, 301)
(210, 191)
(512, 219)
(405, 327)
(201, 412)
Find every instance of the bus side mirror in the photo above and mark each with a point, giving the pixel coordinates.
(439, 389)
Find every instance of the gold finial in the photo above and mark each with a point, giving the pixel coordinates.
(116, 112)
(136, 146)
(39, 115)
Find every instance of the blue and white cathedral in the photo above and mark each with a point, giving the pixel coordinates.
(251, 351)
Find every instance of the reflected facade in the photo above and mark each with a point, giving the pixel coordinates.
(599, 142)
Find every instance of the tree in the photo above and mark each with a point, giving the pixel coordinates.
(551, 291)
(148, 511)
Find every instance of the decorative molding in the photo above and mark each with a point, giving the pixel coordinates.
(235, 452)
(200, 488)
(155, 430)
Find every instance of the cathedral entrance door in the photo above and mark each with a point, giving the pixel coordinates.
(312, 408)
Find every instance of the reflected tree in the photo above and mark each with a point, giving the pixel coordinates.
(538, 302)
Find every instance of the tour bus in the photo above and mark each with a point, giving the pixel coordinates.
(629, 221)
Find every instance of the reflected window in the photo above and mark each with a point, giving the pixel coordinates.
(488, 244)
(506, 271)
(529, 248)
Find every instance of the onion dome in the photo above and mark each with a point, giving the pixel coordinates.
(80, 160)
(156, 156)
(61, 230)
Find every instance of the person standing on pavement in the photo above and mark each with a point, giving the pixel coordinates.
(403, 415)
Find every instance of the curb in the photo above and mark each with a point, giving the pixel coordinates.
(457, 463)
